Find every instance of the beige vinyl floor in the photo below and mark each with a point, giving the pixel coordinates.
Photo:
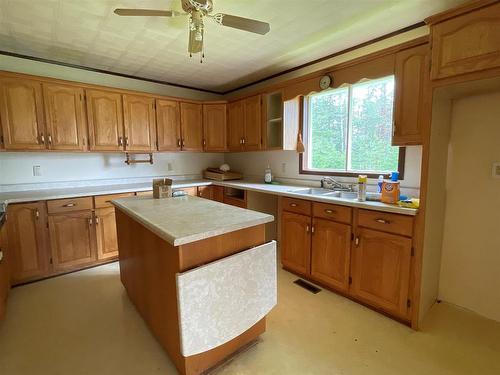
(83, 323)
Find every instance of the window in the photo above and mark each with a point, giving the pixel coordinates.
(348, 130)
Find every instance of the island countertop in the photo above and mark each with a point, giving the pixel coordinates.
(181, 220)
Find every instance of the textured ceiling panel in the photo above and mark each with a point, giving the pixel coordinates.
(88, 33)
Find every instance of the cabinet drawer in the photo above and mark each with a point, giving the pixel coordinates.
(299, 206)
(73, 204)
(235, 201)
(103, 201)
(383, 221)
(333, 212)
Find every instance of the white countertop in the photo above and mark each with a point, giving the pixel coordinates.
(186, 219)
(278, 189)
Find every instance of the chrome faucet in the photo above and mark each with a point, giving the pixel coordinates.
(332, 184)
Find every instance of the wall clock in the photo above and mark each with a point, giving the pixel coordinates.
(325, 82)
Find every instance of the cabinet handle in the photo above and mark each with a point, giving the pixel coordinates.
(204, 142)
(90, 221)
(126, 141)
(49, 138)
(382, 221)
(243, 140)
(37, 214)
(293, 204)
(182, 142)
(120, 141)
(178, 142)
(356, 241)
(41, 139)
(69, 205)
(307, 228)
(97, 220)
(312, 229)
(328, 211)
(1, 256)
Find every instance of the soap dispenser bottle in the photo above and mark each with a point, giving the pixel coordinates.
(268, 175)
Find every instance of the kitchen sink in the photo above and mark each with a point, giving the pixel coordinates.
(326, 193)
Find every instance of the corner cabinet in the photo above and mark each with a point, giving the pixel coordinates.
(411, 76)
(465, 39)
(21, 111)
(245, 124)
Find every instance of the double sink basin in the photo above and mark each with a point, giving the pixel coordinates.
(326, 193)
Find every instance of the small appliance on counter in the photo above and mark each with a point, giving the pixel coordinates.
(223, 173)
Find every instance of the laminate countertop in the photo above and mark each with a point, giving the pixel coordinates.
(185, 219)
(275, 189)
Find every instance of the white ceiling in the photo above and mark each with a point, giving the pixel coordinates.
(88, 33)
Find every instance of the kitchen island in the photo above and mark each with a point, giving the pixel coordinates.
(199, 272)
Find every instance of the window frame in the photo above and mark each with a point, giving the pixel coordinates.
(304, 105)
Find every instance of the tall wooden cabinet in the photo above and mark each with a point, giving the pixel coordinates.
(139, 123)
(21, 111)
(191, 127)
(105, 119)
(66, 120)
(411, 76)
(168, 119)
(381, 270)
(27, 239)
(214, 127)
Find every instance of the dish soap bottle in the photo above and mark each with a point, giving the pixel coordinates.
(268, 175)
(362, 187)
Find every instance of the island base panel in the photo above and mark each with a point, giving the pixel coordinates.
(148, 268)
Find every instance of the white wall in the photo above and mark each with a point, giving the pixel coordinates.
(470, 266)
(254, 163)
(17, 168)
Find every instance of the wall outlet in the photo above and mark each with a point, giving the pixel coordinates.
(37, 170)
(283, 167)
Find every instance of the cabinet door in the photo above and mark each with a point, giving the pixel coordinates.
(191, 127)
(253, 124)
(218, 193)
(214, 127)
(107, 242)
(4, 272)
(21, 110)
(27, 239)
(411, 75)
(139, 123)
(295, 244)
(168, 125)
(381, 270)
(105, 118)
(235, 125)
(66, 121)
(467, 43)
(331, 245)
(72, 239)
(205, 192)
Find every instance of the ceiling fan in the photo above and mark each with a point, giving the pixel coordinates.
(197, 10)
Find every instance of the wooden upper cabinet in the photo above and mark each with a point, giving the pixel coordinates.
(214, 127)
(235, 125)
(411, 75)
(66, 122)
(27, 239)
(296, 242)
(381, 270)
(466, 43)
(330, 259)
(72, 239)
(253, 124)
(191, 127)
(105, 119)
(139, 123)
(168, 125)
(21, 111)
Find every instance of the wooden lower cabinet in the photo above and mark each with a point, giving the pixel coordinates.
(296, 242)
(206, 192)
(330, 254)
(72, 239)
(105, 224)
(381, 270)
(27, 240)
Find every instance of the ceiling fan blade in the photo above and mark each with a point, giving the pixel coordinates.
(146, 12)
(242, 23)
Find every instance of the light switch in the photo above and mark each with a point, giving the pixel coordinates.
(496, 170)
(37, 170)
